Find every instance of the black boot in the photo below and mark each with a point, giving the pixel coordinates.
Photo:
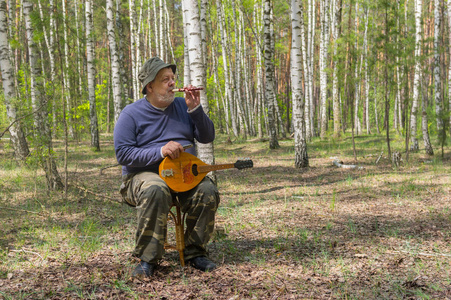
(202, 263)
(144, 269)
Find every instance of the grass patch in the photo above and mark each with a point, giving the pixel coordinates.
(324, 232)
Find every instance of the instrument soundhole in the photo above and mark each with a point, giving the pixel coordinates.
(195, 172)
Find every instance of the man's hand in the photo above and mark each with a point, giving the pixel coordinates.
(192, 98)
(172, 149)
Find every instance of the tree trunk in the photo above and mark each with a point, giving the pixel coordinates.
(95, 143)
(437, 66)
(186, 69)
(269, 76)
(205, 152)
(365, 64)
(357, 125)
(133, 46)
(323, 51)
(309, 124)
(336, 20)
(300, 144)
(18, 140)
(66, 79)
(227, 84)
(115, 65)
(449, 68)
(42, 135)
(424, 118)
(416, 81)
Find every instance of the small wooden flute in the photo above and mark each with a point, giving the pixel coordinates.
(188, 90)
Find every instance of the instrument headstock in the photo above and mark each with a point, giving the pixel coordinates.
(244, 164)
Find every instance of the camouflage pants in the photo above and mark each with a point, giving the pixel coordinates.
(153, 200)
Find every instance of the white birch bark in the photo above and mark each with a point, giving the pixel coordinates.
(269, 75)
(397, 123)
(49, 41)
(237, 74)
(416, 80)
(139, 26)
(66, 79)
(437, 67)
(247, 82)
(365, 64)
(95, 141)
(186, 70)
(277, 113)
(300, 144)
(203, 26)
(309, 109)
(168, 33)
(335, 92)
(149, 31)
(449, 65)
(79, 57)
(162, 29)
(133, 46)
(324, 44)
(115, 66)
(42, 134)
(259, 89)
(17, 135)
(197, 69)
(155, 24)
(357, 125)
(424, 118)
(225, 55)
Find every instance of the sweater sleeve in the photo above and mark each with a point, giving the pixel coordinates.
(125, 144)
(204, 129)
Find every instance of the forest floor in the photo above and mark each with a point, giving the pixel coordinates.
(373, 232)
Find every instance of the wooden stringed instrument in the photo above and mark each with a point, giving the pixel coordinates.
(187, 171)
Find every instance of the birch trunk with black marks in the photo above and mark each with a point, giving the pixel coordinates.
(95, 141)
(205, 152)
(269, 76)
(300, 144)
(42, 133)
(416, 80)
(18, 140)
(115, 65)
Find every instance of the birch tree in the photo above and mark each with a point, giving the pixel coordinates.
(115, 65)
(365, 65)
(133, 47)
(437, 67)
(269, 75)
(449, 66)
(324, 44)
(197, 68)
(416, 81)
(95, 143)
(39, 103)
(300, 144)
(336, 13)
(424, 118)
(225, 55)
(310, 63)
(18, 140)
(357, 71)
(66, 79)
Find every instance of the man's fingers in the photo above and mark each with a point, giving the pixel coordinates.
(172, 149)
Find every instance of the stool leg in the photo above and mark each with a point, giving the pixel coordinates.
(180, 236)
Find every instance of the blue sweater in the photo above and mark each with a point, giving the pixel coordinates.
(142, 130)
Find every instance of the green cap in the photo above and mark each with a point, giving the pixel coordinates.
(150, 69)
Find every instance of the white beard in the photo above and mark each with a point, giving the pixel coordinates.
(166, 99)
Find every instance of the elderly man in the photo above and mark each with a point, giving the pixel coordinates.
(153, 127)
